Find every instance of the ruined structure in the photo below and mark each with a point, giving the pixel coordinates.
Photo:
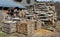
(45, 12)
(9, 26)
(40, 15)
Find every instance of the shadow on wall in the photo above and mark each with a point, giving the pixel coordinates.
(1, 15)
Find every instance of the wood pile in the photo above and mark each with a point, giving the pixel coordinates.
(22, 13)
(49, 11)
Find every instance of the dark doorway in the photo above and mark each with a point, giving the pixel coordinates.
(28, 1)
(18, 0)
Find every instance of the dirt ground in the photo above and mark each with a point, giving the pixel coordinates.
(58, 29)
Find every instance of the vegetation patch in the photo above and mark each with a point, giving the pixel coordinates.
(3, 34)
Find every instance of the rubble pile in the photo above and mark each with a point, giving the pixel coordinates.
(40, 17)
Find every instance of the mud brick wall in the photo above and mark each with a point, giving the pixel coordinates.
(26, 27)
(9, 27)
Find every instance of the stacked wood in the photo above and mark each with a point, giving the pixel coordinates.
(52, 8)
(40, 6)
(22, 13)
(49, 10)
(29, 16)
